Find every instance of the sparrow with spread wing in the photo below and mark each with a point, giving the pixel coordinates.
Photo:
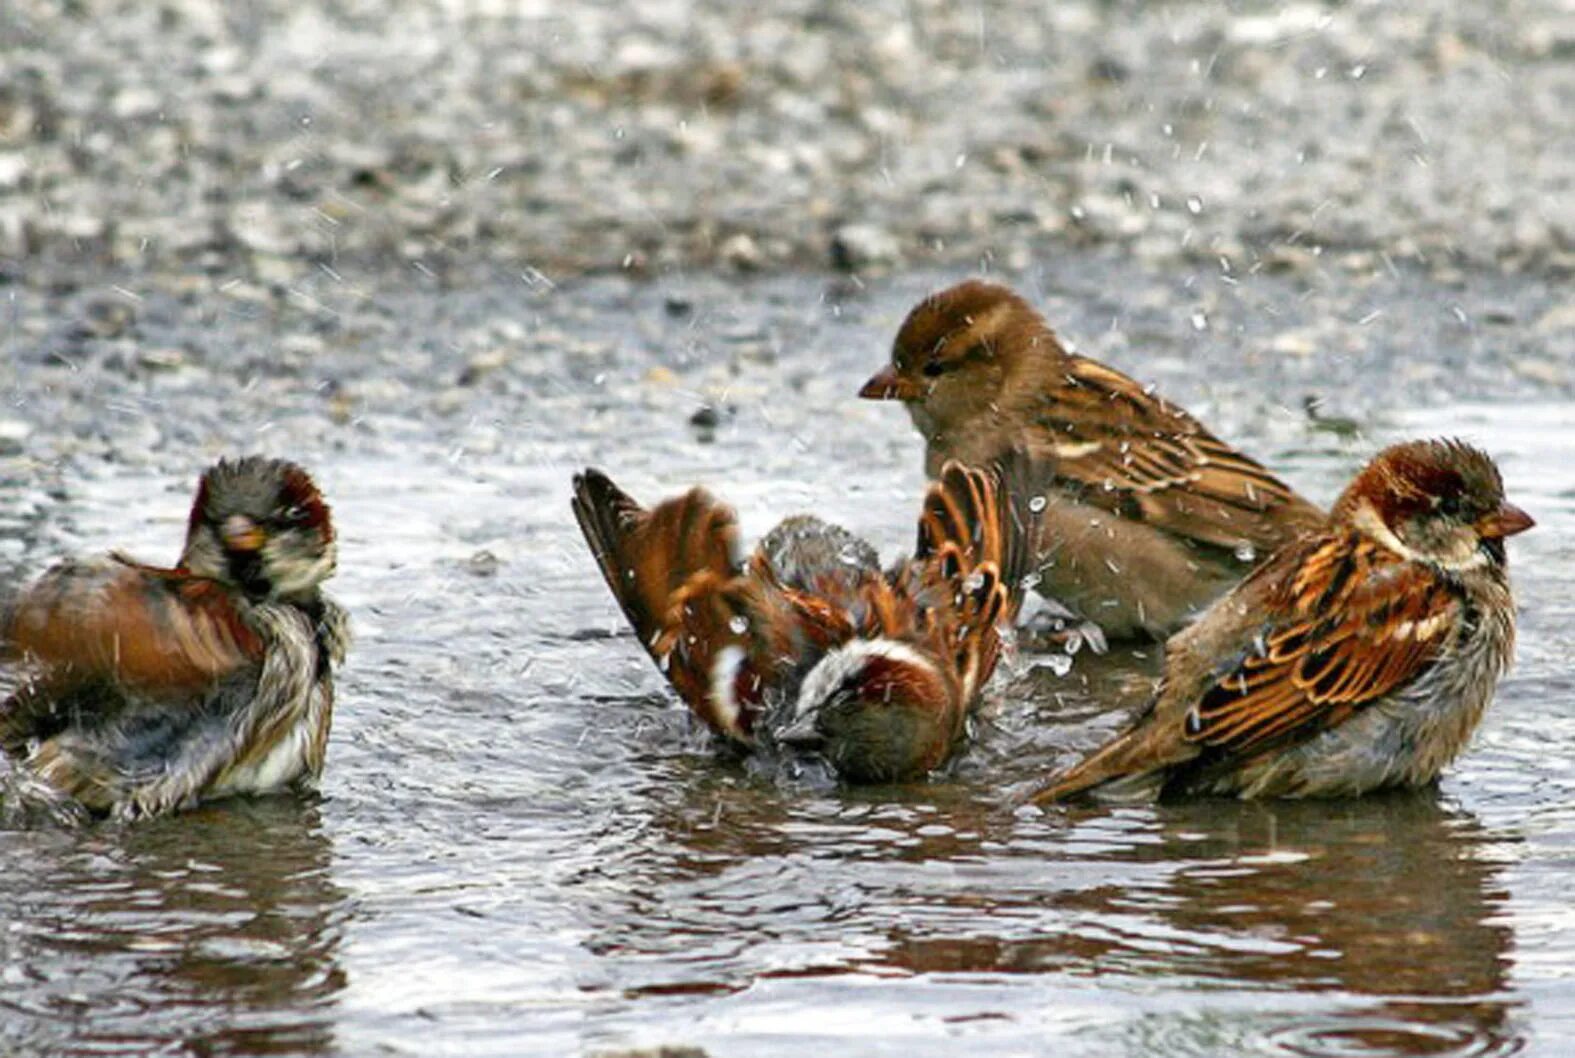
(808, 643)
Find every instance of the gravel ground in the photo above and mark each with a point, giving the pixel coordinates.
(543, 138)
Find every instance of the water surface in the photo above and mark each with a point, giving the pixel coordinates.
(523, 846)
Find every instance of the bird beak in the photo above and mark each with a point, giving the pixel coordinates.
(1506, 521)
(886, 384)
(801, 732)
(240, 533)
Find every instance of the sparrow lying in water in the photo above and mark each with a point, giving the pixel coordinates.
(1359, 657)
(808, 643)
(1150, 516)
(142, 690)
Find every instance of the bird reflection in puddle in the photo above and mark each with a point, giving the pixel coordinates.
(217, 931)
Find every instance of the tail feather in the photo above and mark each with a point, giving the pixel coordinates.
(670, 568)
(1134, 766)
(1109, 765)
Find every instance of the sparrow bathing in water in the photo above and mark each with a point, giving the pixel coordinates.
(809, 644)
(1358, 658)
(1150, 517)
(141, 690)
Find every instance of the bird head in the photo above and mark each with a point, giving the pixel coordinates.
(878, 710)
(957, 353)
(261, 525)
(1440, 502)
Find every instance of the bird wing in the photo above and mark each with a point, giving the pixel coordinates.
(110, 622)
(1359, 624)
(1350, 625)
(723, 634)
(140, 684)
(973, 539)
(1137, 455)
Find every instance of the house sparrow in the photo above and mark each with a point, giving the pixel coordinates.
(1359, 657)
(143, 690)
(809, 644)
(1150, 517)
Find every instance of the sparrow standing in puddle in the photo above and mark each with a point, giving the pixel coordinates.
(1149, 516)
(1359, 658)
(140, 690)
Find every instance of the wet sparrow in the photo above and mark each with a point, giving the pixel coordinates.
(1150, 517)
(1359, 657)
(808, 643)
(142, 690)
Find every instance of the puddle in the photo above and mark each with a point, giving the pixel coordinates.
(523, 845)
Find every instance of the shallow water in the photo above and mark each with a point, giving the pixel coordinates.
(523, 846)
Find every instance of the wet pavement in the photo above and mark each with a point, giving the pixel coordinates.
(524, 846)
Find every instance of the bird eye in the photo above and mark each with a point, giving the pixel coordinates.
(932, 368)
(1450, 505)
(296, 515)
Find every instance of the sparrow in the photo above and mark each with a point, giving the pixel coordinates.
(142, 690)
(1359, 657)
(808, 645)
(1149, 516)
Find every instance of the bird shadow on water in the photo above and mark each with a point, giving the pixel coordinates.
(214, 932)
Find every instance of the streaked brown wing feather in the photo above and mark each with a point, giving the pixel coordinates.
(647, 557)
(1386, 622)
(137, 627)
(1140, 456)
(674, 571)
(973, 537)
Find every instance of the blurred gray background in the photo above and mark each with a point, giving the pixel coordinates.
(272, 137)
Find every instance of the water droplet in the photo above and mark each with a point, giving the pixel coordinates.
(1194, 205)
(1060, 664)
(738, 624)
(1200, 322)
(1037, 504)
(1246, 552)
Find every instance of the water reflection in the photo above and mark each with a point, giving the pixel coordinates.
(217, 930)
(1393, 905)
(1395, 898)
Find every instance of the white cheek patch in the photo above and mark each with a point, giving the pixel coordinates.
(1367, 520)
(838, 665)
(293, 575)
(724, 683)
